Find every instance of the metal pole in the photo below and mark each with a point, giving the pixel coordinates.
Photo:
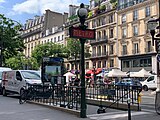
(129, 109)
(158, 74)
(94, 76)
(83, 89)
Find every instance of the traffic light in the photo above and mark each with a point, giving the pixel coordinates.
(158, 46)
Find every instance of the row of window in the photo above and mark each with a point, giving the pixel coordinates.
(56, 39)
(37, 36)
(135, 31)
(127, 3)
(98, 64)
(32, 23)
(135, 14)
(143, 62)
(102, 50)
(102, 20)
(136, 48)
(45, 41)
(103, 34)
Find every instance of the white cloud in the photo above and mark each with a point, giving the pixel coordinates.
(2, 1)
(39, 6)
(29, 6)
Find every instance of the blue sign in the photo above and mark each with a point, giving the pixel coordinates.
(56, 59)
(52, 59)
(158, 57)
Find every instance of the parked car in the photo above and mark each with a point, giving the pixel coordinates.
(15, 81)
(1, 70)
(150, 83)
(126, 82)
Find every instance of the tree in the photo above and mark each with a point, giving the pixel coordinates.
(21, 62)
(74, 50)
(10, 40)
(48, 50)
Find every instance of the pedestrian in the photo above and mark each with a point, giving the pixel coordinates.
(76, 81)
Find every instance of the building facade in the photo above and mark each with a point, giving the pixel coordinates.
(40, 27)
(104, 48)
(134, 40)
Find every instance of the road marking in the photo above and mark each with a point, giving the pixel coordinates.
(106, 116)
(152, 97)
(147, 110)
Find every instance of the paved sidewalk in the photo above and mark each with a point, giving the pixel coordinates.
(123, 115)
(11, 110)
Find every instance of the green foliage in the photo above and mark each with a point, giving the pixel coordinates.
(74, 50)
(90, 14)
(21, 62)
(114, 2)
(10, 37)
(48, 50)
(73, 47)
(13, 63)
(102, 7)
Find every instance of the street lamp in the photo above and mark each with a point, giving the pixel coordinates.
(152, 25)
(82, 14)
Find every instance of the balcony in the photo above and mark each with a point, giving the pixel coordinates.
(111, 52)
(135, 51)
(149, 49)
(99, 40)
(131, 3)
(32, 32)
(124, 53)
(99, 55)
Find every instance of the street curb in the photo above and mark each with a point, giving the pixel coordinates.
(119, 106)
(71, 111)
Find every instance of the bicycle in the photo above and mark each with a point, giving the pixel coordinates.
(157, 103)
(26, 94)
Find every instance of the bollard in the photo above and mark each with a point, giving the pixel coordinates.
(129, 110)
(139, 98)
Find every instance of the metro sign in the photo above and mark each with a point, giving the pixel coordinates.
(77, 32)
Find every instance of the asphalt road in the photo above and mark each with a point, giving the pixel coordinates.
(10, 109)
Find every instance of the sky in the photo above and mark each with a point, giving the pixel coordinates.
(21, 10)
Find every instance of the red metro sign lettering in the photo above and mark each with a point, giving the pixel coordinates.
(76, 32)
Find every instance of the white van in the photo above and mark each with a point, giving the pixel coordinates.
(150, 83)
(1, 70)
(15, 81)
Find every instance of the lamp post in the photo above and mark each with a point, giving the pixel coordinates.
(152, 25)
(82, 14)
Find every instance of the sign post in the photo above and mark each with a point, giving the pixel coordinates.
(82, 33)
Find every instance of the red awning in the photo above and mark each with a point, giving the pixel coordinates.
(88, 77)
(89, 72)
(97, 71)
